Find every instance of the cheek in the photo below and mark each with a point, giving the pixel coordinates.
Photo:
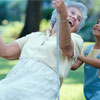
(77, 25)
(96, 33)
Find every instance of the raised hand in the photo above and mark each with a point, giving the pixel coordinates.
(59, 5)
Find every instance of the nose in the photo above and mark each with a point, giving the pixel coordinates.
(74, 17)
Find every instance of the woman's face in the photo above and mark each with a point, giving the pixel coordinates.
(96, 29)
(75, 17)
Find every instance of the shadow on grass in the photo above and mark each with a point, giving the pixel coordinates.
(5, 67)
(2, 76)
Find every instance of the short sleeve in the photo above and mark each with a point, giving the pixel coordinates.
(21, 41)
(78, 43)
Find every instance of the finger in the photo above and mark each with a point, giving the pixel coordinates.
(53, 2)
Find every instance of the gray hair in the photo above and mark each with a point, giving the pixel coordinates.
(80, 6)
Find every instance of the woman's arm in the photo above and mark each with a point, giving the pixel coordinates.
(65, 41)
(91, 61)
(10, 51)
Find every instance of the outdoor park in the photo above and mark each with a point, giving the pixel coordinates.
(21, 17)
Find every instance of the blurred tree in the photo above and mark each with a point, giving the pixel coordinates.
(3, 10)
(33, 17)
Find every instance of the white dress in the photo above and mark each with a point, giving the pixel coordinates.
(29, 80)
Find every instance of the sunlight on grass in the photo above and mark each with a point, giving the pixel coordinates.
(5, 66)
(4, 71)
(72, 92)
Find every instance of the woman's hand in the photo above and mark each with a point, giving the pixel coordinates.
(59, 5)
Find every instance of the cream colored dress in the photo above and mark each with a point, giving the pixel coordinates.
(34, 76)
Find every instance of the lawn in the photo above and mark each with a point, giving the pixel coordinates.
(72, 88)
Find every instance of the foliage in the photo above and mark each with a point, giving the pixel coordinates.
(3, 10)
(12, 30)
(87, 33)
(45, 24)
(12, 10)
(97, 5)
(46, 13)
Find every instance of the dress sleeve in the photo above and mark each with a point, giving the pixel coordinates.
(21, 41)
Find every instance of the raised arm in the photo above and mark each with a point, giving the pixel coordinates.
(10, 51)
(65, 41)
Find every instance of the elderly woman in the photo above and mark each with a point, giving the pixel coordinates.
(34, 77)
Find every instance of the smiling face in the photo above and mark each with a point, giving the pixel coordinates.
(75, 18)
(96, 29)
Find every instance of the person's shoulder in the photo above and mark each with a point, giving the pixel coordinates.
(34, 34)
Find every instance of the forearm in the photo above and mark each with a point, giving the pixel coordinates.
(66, 43)
(64, 32)
(91, 61)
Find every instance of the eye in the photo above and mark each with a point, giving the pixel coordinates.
(79, 19)
(98, 22)
(73, 12)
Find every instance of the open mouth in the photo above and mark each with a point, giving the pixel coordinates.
(71, 23)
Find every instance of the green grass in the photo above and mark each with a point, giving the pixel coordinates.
(72, 88)
(5, 67)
